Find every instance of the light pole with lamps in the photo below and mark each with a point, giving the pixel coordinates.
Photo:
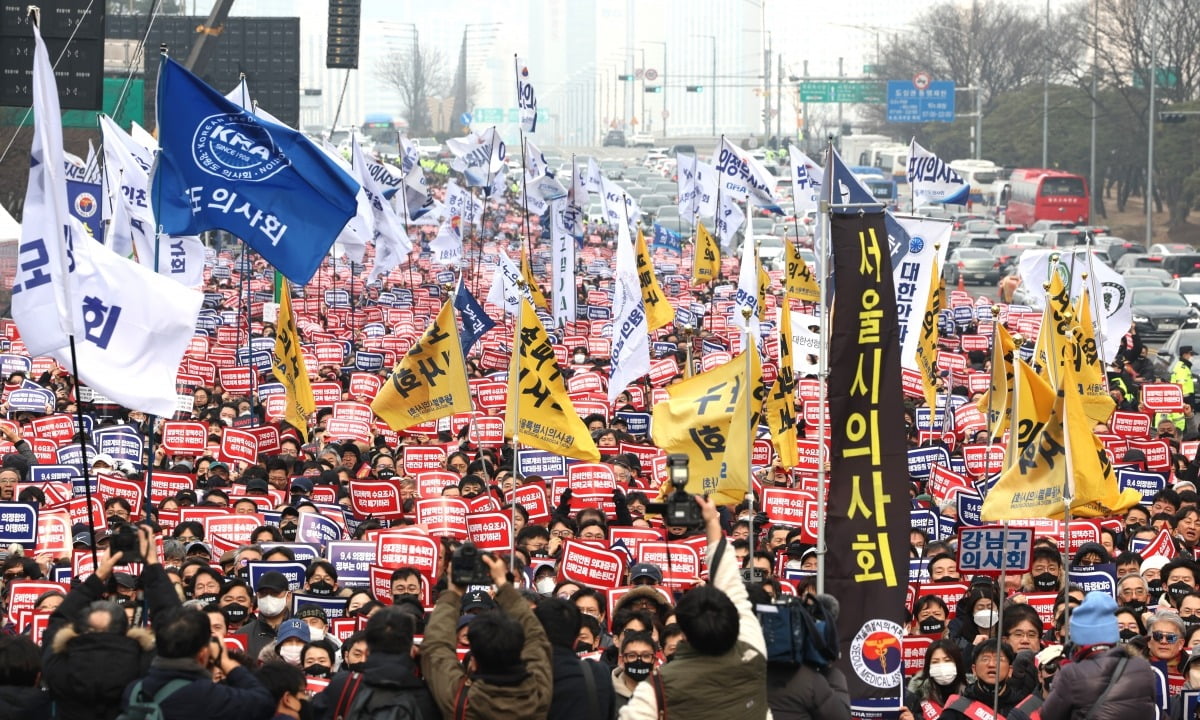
(664, 82)
(643, 78)
(713, 89)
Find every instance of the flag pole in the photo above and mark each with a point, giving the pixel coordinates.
(823, 242)
(748, 392)
(515, 391)
(87, 472)
(1000, 611)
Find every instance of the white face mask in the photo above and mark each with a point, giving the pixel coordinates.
(984, 618)
(271, 605)
(545, 586)
(291, 654)
(315, 634)
(943, 673)
(580, 358)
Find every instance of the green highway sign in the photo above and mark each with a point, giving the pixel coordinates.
(871, 69)
(843, 91)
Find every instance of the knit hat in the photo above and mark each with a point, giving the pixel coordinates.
(1094, 622)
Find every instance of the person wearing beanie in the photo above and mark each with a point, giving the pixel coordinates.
(1103, 671)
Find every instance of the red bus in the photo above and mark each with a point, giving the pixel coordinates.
(1044, 194)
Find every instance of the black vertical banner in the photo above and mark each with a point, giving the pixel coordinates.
(867, 524)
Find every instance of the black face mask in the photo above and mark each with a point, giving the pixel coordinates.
(639, 670)
(1137, 606)
(1191, 621)
(1045, 582)
(321, 588)
(316, 670)
(288, 532)
(408, 505)
(234, 613)
(947, 579)
(1155, 585)
(932, 626)
(207, 599)
(355, 667)
(1128, 634)
(1179, 590)
(405, 597)
(189, 585)
(582, 647)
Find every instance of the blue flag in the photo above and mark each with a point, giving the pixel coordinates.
(84, 204)
(475, 322)
(667, 239)
(843, 187)
(222, 167)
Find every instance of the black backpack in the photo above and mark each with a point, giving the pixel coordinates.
(143, 708)
(798, 631)
(376, 702)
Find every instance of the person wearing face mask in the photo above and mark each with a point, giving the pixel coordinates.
(290, 640)
(287, 687)
(975, 619)
(544, 580)
(1179, 579)
(1047, 663)
(354, 653)
(1105, 680)
(387, 667)
(942, 677)
(1191, 682)
(1151, 572)
(321, 579)
(574, 695)
(635, 663)
(318, 628)
(236, 604)
(316, 659)
(929, 617)
(991, 668)
(1046, 575)
(274, 599)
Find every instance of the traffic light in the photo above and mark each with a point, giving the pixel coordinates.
(695, 88)
(654, 88)
(1170, 118)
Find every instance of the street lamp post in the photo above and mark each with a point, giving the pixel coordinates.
(664, 82)
(643, 93)
(713, 88)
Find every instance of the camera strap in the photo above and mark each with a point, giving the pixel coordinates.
(712, 569)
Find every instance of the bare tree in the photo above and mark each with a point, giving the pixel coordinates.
(417, 74)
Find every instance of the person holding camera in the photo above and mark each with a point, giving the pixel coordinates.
(509, 673)
(92, 653)
(719, 670)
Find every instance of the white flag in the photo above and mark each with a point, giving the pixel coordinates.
(391, 239)
(631, 333)
(506, 291)
(1112, 312)
(579, 186)
(729, 221)
(744, 176)
(40, 305)
(746, 296)
(127, 186)
(564, 221)
(913, 253)
(806, 181)
(478, 156)
(526, 98)
(131, 325)
(535, 161)
(932, 180)
(361, 228)
(697, 184)
(447, 247)
(594, 179)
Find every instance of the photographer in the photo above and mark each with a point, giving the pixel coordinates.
(92, 653)
(719, 671)
(509, 672)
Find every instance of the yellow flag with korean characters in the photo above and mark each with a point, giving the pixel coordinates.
(764, 287)
(926, 355)
(781, 402)
(539, 412)
(997, 402)
(1084, 357)
(708, 418)
(430, 381)
(289, 365)
(800, 283)
(534, 289)
(706, 263)
(659, 312)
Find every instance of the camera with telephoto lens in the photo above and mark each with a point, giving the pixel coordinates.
(125, 540)
(680, 509)
(467, 567)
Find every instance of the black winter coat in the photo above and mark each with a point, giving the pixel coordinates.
(1079, 684)
(570, 701)
(381, 670)
(239, 697)
(804, 693)
(23, 703)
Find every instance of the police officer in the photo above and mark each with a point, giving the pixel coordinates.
(1181, 374)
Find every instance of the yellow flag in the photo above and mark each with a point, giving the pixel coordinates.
(800, 283)
(527, 274)
(706, 263)
(996, 404)
(1033, 399)
(539, 411)
(289, 366)
(1052, 335)
(659, 312)
(1032, 487)
(781, 403)
(926, 354)
(1084, 357)
(706, 418)
(764, 287)
(430, 381)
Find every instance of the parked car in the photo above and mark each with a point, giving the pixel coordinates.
(971, 264)
(1170, 248)
(1189, 286)
(641, 140)
(1158, 312)
(1182, 264)
(1158, 275)
(615, 138)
